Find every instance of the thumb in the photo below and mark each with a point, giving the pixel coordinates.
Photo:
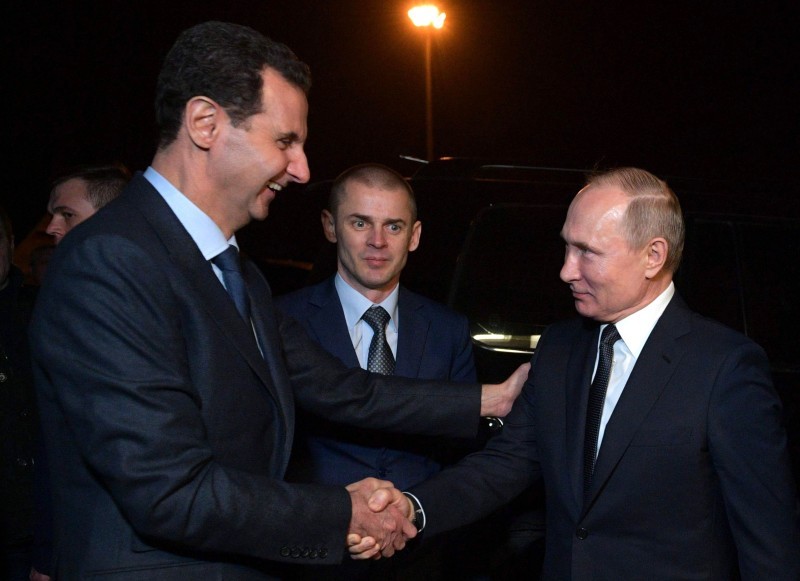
(380, 499)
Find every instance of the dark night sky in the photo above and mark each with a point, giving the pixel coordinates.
(692, 88)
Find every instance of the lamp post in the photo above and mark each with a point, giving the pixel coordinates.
(429, 17)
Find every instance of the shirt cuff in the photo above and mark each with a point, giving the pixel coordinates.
(419, 513)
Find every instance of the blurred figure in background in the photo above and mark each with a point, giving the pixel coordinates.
(17, 415)
(79, 194)
(39, 259)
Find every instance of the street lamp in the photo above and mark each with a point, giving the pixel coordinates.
(428, 16)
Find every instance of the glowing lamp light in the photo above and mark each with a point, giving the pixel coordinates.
(427, 15)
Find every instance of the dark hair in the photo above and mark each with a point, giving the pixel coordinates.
(373, 175)
(654, 210)
(224, 62)
(103, 182)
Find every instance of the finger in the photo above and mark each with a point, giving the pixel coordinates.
(367, 548)
(353, 540)
(370, 554)
(381, 498)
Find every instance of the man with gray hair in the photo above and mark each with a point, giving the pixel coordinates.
(657, 432)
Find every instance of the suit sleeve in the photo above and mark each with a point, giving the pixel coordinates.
(463, 367)
(748, 448)
(489, 478)
(324, 386)
(124, 390)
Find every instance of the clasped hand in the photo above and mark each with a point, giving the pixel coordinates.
(381, 520)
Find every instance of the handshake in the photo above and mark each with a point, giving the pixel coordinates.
(382, 520)
(382, 516)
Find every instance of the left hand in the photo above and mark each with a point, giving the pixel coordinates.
(498, 398)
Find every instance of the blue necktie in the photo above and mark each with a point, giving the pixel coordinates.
(597, 398)
(380, 358)
(228, 263)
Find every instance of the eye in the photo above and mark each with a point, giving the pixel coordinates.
(359, 224)
(395, 228)
(68, 215)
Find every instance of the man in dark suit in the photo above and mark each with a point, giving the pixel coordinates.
(167, 382)
(372, 219)
(670, 461)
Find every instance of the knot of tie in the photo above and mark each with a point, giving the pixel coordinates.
(380, 358)
(228, 262)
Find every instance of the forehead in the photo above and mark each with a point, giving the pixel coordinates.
(598, 202)
(595, 210)
(283, 103)
(70, 191)
(365, 199)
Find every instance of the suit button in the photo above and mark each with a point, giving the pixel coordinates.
(295, 552)
(323, 553)
(3, 377)
(306, 552)
(285, 551)
(581, 533)
(314, 554)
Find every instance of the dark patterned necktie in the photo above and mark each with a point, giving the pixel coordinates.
(597, 398)
(380, 358)
(228, 263)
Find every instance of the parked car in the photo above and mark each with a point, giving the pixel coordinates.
(491, 249)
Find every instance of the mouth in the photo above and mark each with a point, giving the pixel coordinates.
(274, 186)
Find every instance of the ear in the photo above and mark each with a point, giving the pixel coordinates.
(656, 250)
(416, 232)
(202, 118)
(328, 226)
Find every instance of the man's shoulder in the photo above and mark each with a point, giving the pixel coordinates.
(296, 303)
(704, 332)
(431, 308)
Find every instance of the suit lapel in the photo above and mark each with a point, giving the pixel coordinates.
(263, 313)
(411, 341)
(578, 380)
(328, 324)
(200, 277)
(655, 366)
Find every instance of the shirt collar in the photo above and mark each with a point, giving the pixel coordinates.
(203, 230)
(354, 303)
(636, 328)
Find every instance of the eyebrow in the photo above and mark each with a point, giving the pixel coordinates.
(371, 219)
(62, 208)
(291, 135)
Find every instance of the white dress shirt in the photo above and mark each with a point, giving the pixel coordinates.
(634, 331)
(203, 230)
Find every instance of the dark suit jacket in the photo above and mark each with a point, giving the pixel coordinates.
(433, 343)
(168, 432)
(692, 475)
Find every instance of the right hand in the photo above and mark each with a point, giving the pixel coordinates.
(381, 519)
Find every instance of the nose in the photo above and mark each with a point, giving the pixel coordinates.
(298, 166)
(55, 229)
(569, 271)
(377, 237)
